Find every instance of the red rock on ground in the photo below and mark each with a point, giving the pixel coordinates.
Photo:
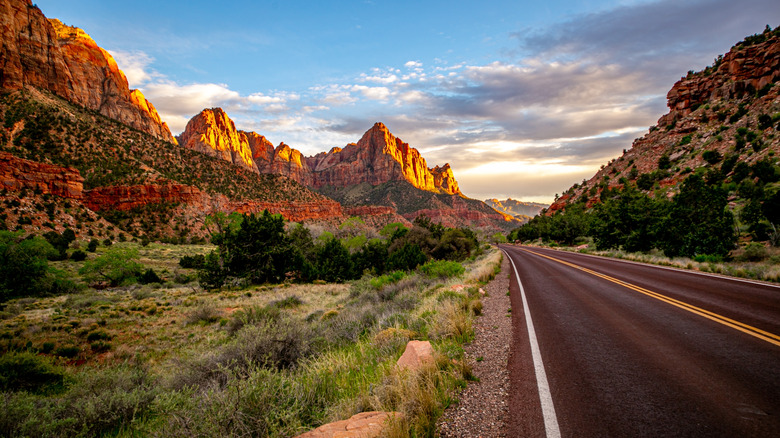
(363, 425)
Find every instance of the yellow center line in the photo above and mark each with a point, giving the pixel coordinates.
(745, 328)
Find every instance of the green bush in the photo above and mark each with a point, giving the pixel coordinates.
(149, 276)
(193, 262)
(442, 269)
(117, 266)
(78, 256)
(406, 258)
(755, 252)
(27, 371)
(382, 280)
(24, 267)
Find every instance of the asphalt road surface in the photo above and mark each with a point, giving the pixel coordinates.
(619, 349)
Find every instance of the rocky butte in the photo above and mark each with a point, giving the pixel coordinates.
(378, 157)
(725, 110)
(42, 53)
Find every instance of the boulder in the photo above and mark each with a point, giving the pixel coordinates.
(363, 425)
(417, 354)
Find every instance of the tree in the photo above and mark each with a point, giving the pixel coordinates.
(118, 266)
(333, 262)
(24, 267)
(371, 257)
(698, 221)
(254, 247)
(406, 258)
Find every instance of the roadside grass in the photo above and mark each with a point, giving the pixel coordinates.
(766, 268)
(271, 360)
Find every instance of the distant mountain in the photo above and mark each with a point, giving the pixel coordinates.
(380, 169)
(64, 60)
(519, 209)
(720, 117)
(378, 157)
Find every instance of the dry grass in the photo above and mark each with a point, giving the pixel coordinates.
(765, 270)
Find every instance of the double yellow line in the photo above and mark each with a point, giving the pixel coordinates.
(745, 328)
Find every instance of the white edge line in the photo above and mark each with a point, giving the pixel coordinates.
(668, 268)
(545, 397)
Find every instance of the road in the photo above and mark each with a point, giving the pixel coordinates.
(618, 349)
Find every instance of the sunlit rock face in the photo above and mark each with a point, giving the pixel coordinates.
(46, 54)
(378, 157)
(213, 133)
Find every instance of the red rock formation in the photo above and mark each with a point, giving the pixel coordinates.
(754, 66)
(377, 158)
(292, 210)
(18, 173)
(125, 198)
(707, 111)
(213, 133)
(64, 60)
(369, 210)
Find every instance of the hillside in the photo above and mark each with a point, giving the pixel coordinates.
(379, 170)
(519, 209)
(144, 185)
(719, 117)
(704, 183)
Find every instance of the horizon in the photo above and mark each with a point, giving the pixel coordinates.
(534, 96)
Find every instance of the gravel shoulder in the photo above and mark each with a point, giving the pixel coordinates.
(483, 408)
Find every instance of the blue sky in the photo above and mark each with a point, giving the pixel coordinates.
(522, 98)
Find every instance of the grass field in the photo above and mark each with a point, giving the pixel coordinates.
(170, 359)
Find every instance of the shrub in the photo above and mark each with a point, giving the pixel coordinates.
(68, 351)
(382, 280)
(92, 245)
(711, 157)
(442, 269)
(193, 262)
(406, 258)
(204, 314)
(24, 269)
(149, 276)
(78, 256)
(755, 252)
(117, 266)
(27, 371)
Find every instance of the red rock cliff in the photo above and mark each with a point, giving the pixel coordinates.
(42, 53)
(214, 133)
(378, 157)
(18, 174)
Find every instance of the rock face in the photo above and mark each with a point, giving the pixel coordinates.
(362, 425)
(377, 158)
(719, 109)
(19, 174)
(516, 208)
(213, 133)
(64, 60)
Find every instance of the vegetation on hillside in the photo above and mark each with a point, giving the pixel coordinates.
(171, 359)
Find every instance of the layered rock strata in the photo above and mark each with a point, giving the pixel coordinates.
(377, 158)
(46, 54)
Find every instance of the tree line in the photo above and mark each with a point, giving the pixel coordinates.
(257, 249)
(695, 222)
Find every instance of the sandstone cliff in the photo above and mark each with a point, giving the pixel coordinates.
(46, 54)
(726, 111)
(519, 209)
(213, 133)
(378, 157)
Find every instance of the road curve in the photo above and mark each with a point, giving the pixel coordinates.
(633, 350)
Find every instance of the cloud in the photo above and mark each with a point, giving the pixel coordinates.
(135, 66)
(413, 64)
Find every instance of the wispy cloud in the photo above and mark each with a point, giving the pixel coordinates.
(568, 97)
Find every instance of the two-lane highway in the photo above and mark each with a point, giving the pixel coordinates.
(617, 349)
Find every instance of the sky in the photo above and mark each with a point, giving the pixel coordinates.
(522, 98)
